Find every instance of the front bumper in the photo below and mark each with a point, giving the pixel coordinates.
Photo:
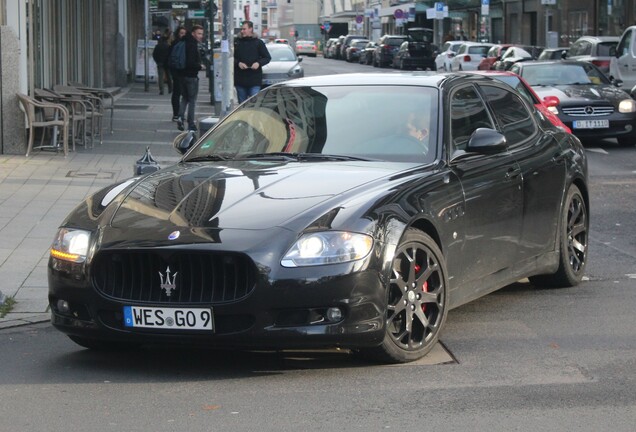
(287, 310)
(620, 125)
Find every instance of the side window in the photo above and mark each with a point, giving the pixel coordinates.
(624, 45)
(468, 113)
(511, 114)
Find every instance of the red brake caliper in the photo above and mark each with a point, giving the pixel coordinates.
(424, 285)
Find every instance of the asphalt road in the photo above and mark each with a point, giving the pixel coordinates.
(525, 359)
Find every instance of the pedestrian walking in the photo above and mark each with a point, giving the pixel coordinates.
(250, 55)
(160, 55)
(190, 78)
(449, 37)
(177, 80)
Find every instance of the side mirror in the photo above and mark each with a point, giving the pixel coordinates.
(299, 59)
(184, 141)
(617, 82)
(551, 101)
(564, 55)
(486, 141)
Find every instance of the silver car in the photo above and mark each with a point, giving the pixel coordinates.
(285, 65)
(306, 47)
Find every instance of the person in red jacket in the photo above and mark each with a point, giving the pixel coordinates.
(190, 78)
(250, 55)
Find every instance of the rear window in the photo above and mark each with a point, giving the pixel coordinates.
(395, 41)
(603, 49)
(482, 50)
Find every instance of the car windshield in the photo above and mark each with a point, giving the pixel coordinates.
(395, 41)
(284, 54)
(563, 74)
(296, 120)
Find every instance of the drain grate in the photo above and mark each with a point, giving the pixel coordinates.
(105, 175)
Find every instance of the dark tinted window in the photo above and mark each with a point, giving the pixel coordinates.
(511, 114)
(603, 49)
(468, 113)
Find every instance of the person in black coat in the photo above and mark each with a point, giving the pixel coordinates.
(190, 78)
(160, 55)
(250, 55)
(176, 77)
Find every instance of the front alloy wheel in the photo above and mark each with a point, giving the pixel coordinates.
(573, 239)
(416, 300)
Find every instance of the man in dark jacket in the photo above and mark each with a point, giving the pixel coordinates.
(250, 55)
(179, 34)
(190, 77)
(160, 56)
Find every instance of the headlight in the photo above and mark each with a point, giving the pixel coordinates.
(553, 110)
(71, 245)
(295, 71)
(627, 106)
(328, 247)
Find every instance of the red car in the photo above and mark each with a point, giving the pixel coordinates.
(493, 54)
(519, 84)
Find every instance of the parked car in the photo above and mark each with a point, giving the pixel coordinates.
(598, 50)
(335, 48)
(447, 52)
(352, 54)
(346, 43)
(623, 64)
(285, 65)
(417, 51)
(542, 105)
(515, 54)
(306, 47)
(469, 56)
(494, 54)
(386, 49)
(366, 55)
(285, 227)
(327, 51)
(553, 53)
(590, 104)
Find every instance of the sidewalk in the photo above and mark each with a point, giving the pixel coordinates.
(37, 193)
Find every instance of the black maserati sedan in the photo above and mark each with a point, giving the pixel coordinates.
(283, 227)
(590, 105)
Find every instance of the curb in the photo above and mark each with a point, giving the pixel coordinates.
(12, 320)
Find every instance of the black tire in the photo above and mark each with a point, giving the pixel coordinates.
(102, 344)
(573, 243)
(413, 320)
(626, 141)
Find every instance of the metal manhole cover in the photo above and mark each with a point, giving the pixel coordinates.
(106, 175)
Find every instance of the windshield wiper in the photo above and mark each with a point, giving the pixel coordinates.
(328, 157)
(210, 157)
(271, 156)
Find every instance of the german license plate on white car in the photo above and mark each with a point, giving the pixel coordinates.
(169, 318)
(590, 124)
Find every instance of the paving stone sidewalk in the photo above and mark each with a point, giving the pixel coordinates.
(36, 193)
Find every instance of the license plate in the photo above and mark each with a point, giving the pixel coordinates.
(169, 318)
(590, 124)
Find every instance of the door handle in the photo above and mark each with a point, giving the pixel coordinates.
(512, 173)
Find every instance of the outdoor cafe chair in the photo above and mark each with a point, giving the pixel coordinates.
(76, 109)
(47, 116)
(94, 108)
(107, 95)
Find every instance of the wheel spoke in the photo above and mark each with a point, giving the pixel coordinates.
(577, 245)
(429, 297)
(422, 317)
(578, 228)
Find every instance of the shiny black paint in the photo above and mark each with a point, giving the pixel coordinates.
(494, 218)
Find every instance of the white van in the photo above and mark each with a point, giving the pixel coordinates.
(623, 64)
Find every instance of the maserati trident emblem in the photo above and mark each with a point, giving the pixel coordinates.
(168, 284)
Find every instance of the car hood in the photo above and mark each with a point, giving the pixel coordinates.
(248, 195)
(582, 93)
(279, 66)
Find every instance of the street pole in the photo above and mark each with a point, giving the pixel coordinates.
(146, 63)
(227, 60)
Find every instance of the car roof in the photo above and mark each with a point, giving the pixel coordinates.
(600, 38)
(422, 78)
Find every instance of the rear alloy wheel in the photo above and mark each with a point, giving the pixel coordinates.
(573, 238)
(416, 300)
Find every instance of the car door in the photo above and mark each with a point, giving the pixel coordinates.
(626, 59)
(492, 186)
(542, 164)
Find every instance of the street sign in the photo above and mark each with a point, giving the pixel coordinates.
(327, 25)
(485, 7)
(439, 10)
(193, 14)
(359, 19)
(398, 14)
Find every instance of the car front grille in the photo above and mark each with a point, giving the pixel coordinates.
(586, 111)
(142, 276)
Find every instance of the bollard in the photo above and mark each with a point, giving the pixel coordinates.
(146, 164)
(207, 123)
